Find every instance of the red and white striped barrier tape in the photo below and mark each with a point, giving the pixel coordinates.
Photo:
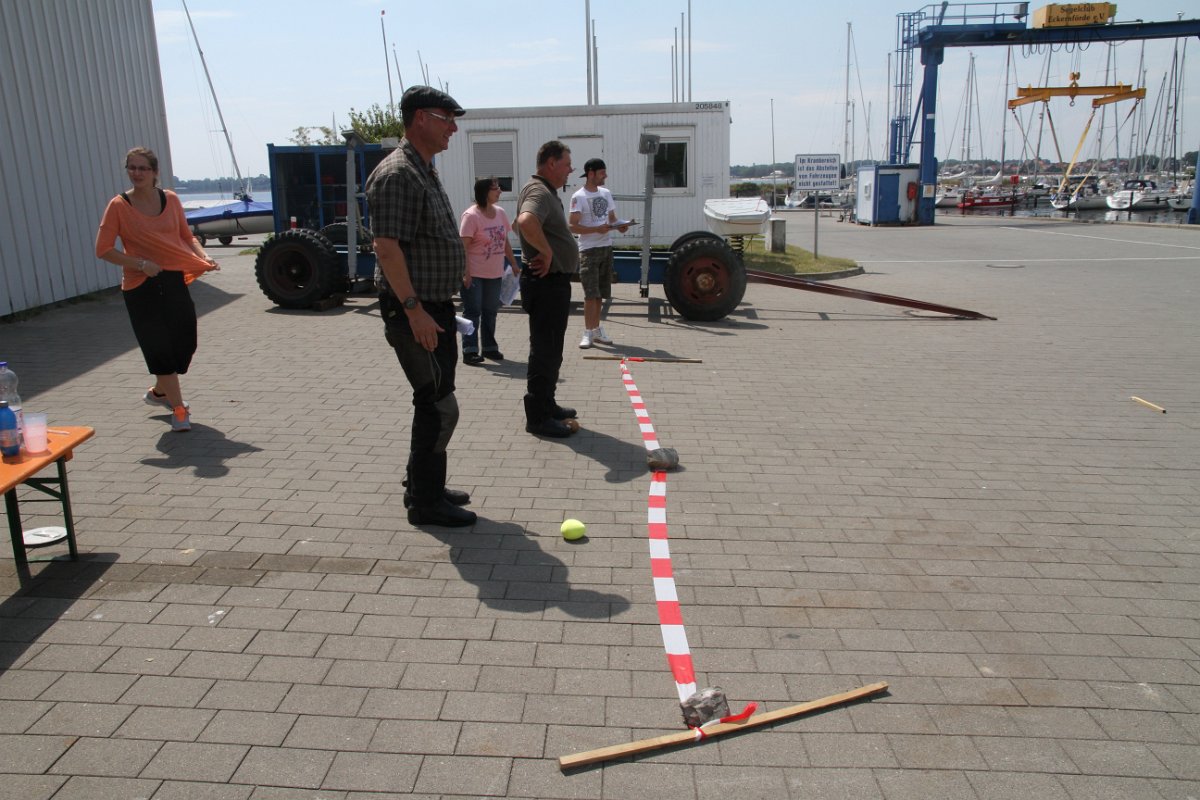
(670, 615)
(741, 716)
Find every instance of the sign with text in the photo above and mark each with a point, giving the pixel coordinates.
(818, 173)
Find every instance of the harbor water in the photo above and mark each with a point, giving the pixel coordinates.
(1043, 209)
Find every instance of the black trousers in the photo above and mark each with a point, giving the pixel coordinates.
(435, 409)
(547, 301)
(164, 322)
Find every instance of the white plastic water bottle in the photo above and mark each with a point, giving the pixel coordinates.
(464, 325)
(8, 392)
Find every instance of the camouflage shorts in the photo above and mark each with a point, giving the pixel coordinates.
(595, 272)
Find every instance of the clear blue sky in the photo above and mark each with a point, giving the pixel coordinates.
(279, 64)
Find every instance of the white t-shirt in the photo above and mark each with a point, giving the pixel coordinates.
(594, 208)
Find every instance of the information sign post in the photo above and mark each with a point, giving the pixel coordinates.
(815, 174)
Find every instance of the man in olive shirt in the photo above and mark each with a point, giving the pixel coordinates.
(421, 260)
(551, 257)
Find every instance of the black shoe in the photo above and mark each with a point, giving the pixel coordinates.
(494, 355)
(455, 497)
(472, 358)
(549, 427)
(443, 514)
(561, 413)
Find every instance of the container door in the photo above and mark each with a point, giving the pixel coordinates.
(887, 198)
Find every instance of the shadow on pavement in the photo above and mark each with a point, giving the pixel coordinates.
(34, 608)
(513, 573)
(204, 449)
(99, 332)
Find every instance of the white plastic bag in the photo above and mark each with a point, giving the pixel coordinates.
(510, 284)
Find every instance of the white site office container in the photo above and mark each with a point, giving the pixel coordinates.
(887, 194)
(691, 166)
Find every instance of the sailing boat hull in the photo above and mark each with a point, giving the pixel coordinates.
(990, 200)
(239, 218)
(1086, 203)
(1180, 203)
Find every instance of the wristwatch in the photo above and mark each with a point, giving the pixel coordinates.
(411, 302)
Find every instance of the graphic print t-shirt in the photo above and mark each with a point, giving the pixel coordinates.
(593, 208)
(485, 252)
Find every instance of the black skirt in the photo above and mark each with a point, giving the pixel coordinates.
(164, 322)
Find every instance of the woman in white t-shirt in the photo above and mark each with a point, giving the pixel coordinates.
(484, 228)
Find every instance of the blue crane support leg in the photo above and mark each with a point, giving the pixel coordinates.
(931, 57)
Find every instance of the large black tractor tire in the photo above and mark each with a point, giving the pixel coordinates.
(692, 236)
(296, 268)
(338, 233)
(705, 280)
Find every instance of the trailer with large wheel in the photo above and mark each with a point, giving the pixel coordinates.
(315, 257)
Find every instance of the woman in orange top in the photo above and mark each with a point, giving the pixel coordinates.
(159, 258)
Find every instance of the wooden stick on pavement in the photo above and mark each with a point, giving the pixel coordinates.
(671, 360)
(709, 731)
(1148, 404)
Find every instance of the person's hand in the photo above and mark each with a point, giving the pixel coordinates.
(149, 268)
(467, 281)
(623, 228)
(213, 266)
(424, 329)
(539, 265)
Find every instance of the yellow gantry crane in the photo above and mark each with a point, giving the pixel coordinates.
(1109, 94)
(1106, 95)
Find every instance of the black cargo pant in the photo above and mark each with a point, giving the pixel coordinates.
(435, 409)
(547, 301)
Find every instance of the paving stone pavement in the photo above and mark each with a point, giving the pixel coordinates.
(972, 511)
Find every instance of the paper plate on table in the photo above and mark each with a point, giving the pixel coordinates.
(40, 537)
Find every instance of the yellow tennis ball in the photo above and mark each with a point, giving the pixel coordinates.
(573, 529)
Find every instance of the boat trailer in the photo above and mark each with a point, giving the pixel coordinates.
(792, 282)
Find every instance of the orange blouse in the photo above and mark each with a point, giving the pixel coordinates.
(164, 239)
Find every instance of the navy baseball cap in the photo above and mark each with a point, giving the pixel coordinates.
(591, 165)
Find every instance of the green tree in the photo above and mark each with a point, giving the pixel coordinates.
(376, 123)
(304, 136)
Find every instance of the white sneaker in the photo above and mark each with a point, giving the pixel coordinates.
(600, 337)
(586, 341)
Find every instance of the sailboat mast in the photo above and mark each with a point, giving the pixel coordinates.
(967, 124)
(1003, 116)
(846, 154)
(245, 186)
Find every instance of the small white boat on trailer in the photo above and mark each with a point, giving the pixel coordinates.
(241, 217)
(733, 216)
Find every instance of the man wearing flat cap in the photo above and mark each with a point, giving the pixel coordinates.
(421, 262)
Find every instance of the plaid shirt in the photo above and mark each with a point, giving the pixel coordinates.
(408, 204)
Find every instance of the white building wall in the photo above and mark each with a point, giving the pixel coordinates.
(608, 132)
(79, 85)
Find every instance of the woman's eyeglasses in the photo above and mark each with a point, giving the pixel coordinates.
(137, 168)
